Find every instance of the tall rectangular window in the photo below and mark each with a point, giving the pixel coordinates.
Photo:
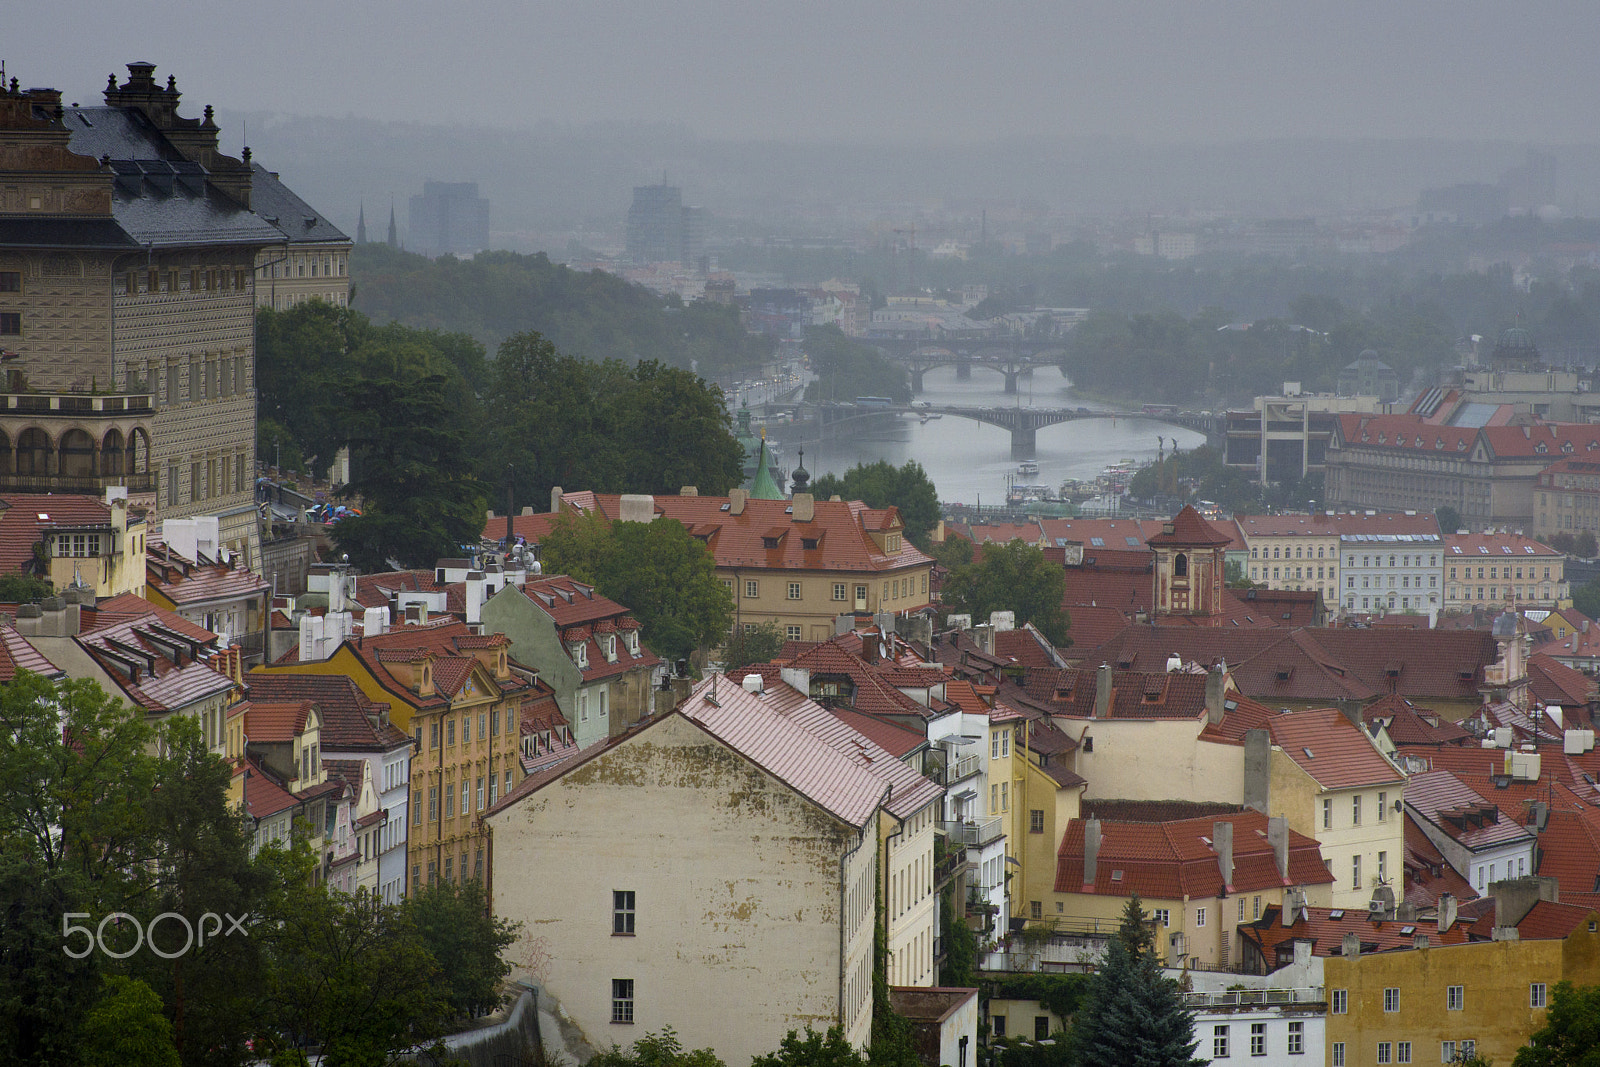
(1327, 814)
(794, 590)
(1391, 999)
(1385, 1052)
(1219, 1042)
(480, 792)
(1382, 803)
(1355, 872)
(1402, 1052)
(1338, 1054)
(1536, 995)
(622, 911)
(1454, 996)
(1340, 1003)
(449, 800)
(433, 803)
(839, 590)
(1258, 1039)
(1297, 1038)
(751, 589)
(622, 1000)
(1355, 810)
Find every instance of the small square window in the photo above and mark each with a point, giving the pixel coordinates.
(792, 633)
(10, 281)
(751, 589)
(794, 590)
(10, 322)
(1536, 995)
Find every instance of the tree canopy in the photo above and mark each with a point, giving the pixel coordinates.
(1570, 1036)
(846, 369)
(666, 577)
(882, 485)
(1134, 1015)
(1012, 577)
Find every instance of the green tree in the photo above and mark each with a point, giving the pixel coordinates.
(421, 499)
(846, 369)
(1012, 577)
(126, 1028)
(1449, 519)
(1570, 1036)
(959, 968)
(677, 431)
(1586, 598)
(24, 588)
(75, 776)
(662, 574)
(882, 485)
(456, 926)
(815, 1049)
(890, 1044)
(661, 1049)
(757, 642)
(350, 975)
(1135, 1014)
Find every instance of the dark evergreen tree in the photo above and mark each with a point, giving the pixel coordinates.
(1135, 1016)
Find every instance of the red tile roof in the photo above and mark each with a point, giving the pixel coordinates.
(185, 582)
(16, 654)
(1113, 533)
(1456, 810)
(841, 529)
(1188, 528)
(1175, 860)
(1552, 682)
(1407, 724)
(1135, 694)
(351, 722)
(24, 517)
(1027, 647)
(269, 723)
(1332, 749)
(1326, 932)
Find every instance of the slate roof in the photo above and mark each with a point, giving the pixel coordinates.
(298, 221)
(1175, 860)
(1332, 750)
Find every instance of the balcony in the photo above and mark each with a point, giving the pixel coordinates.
(951, 864)
(76, 405)
(90, 484)
(1245, 998)
(974, 834)
(961, 768)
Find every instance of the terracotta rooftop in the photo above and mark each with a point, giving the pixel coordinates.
(351, 722)
(1175, 860)
(275, 723)
(1456, 810)
(1188, 528)
(1135, 694)
(1325, 929)
(1332, 749)
(1408, 724)
(25, 516)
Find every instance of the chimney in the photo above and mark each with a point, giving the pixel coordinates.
(1216, 689)
(1294, 902)
(736, 501)
(475, 596)
(1515, 897)
(1420, 941)
(29, 620)
(688, 490)
(797, 677)
(1278, 838)
(1222, 845)
(1102, 692)
(1091, 852)
(805, 507)
(1257, 769)
(1351, 947)
(1447, 912)
(310, 638)
(555, 500)
(1351, 710)
(636, 507)
(983, 637)
(1302, 953)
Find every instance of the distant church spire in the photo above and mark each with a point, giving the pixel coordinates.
(361, 225)
(394, 235)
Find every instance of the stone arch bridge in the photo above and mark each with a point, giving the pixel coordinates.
(1022, 423)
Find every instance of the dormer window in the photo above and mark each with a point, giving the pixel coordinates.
(633, 642)
(769, 542)
(808, 543)
(610, 642)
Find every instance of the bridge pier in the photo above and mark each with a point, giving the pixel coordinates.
(916, 380)
(1011, 380)
(1024, 442)
(964, 370)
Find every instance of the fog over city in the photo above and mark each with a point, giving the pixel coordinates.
(760, 110)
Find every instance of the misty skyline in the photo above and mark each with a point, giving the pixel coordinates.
(1163, 72)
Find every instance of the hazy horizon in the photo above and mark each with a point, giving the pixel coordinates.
(1169, 72)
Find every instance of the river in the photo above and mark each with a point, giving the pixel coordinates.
(969, 461)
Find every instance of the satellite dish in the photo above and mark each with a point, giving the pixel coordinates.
(883, 650)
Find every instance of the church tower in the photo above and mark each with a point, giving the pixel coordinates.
(361, 225)
(394, 234)
(1190, 563)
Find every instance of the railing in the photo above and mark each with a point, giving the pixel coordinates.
(76, 483)
(1242, 998)
(949, 867)
(76, 404)
(974, 833)
(962, 767)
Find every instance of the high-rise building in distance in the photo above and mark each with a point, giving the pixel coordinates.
(449, 218)
(661, 229)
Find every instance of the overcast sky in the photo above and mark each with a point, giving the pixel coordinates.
(1150, 70)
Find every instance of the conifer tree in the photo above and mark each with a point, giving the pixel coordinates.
(1135, 1017)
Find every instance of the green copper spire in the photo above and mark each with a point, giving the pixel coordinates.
(762, 487)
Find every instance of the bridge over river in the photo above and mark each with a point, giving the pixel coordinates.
(1014, 358)
(1023, 423)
